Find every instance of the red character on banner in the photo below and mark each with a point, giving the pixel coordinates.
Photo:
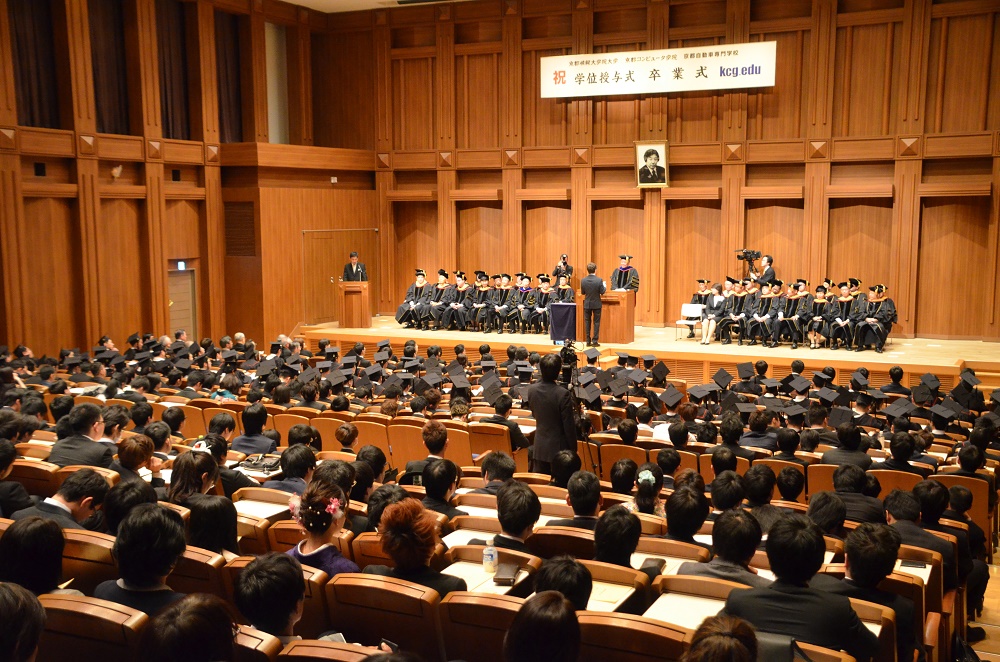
(559, 78)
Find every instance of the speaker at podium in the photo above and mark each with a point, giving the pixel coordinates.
(352, 301)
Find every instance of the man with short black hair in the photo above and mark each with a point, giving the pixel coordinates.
(518, 509)
(850, 451)
(849, 482)
(195, 379)
(895, 386)
(435, 436)
(270, 593)
(502, 407)
(78, 499)
(668, 460)
(498, 468)
(567, 576)
(735, 536)
(902, 512)
(686, 510)
(901, 448)
(83, 447)
(440, 479)
(297, 465)
(252, 442)
(758, 436)
(554, 413)
(584, 496)
(795, 550)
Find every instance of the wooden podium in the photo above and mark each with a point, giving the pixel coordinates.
(352, 302)
(617, 317)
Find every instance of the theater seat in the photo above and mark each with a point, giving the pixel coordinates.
(627, 638)
(87, 559)
(38, 478)
(314, 612)
(549, 541)
(473, 625)
(80, 628)
(308, 650)
(256, 646)
(367, 608)
(198, 571)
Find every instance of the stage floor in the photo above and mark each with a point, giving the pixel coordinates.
(696, 363)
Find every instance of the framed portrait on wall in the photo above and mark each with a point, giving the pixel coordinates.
(652, 164)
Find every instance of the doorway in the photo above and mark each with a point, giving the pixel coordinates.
(182, 289)
(324, 254)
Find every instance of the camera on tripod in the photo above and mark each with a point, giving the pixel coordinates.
(748, 255)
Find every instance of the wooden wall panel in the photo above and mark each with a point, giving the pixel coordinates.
(860, 241)
(958, 73)
(693, 116)
(477, 101)
(122, 273)
(616, 119)
(343, 87)
(617, 228)
(953, 266)
(545, 121)
(416, 231)
(693, 251)
(480, 239)
(413, 90)
(775, 227)
(547, 234)
(182, 238)
(866, 83)
(54, 292)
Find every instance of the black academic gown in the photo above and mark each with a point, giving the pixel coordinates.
(883, 311)
(625, 278)
(416, 295)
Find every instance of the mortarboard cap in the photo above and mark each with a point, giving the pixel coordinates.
(970, 378)
(142, 356)
(308, 375)
(943, 412)
(671, 396)
(132, 339)
(604, 378)
(699, 391)
(930, 381)
(622, 357)
(381, 357)
(746, 407)
(660, 371)
(878, 395)
(183, 364)
(488, 365)
(459, 380)
(592, 354)
(820, 377)
(992, 416)
(648, 359)
(769, 383)
(291, 369)
(745, 370)
(229, 355)
(350, 360)
(383, 344)
(954, 406)
(962, 393)
(250, 364)
(619, 388)
(828, 396)
(900, 407)
(794, 410)
(773, 404)
(275, 347)
(729, 401)
(332, 350)
(118, 360)
(995, 395)
(491, 393)
(859, 382)
(323, 366)
(587, 378)
(624, 256)
(799, 384)
(839, 416)
(638, 376)
(589, 393)
(336, 378)
(722, 378)
(372, 371)
(433, 378)
(921, 393)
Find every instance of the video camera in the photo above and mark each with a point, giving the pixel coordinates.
(748, 255)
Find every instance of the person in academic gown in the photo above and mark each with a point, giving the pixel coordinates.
(735, 314)
(544, 295)
(790, 311)
(431, 309)
(458, 304)
(500, 304)
(416, 295)
(838, 316)
(625, 277)
(479, 308)
(818, 327)
(761, 318)
(874, 327)
(523, 304)
(565, 292)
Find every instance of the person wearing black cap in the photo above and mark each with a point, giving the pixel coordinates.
(564, 291)
(839, 318)
(592, 287)
(790, 310)
(818, 328)
(479, 308)
(354, 270)
(538, 316)
(431, 309)
(500, 304)
(734, 314)
(625, 277)
(416, 295)
(457, 304)
(563, 268)
(876, 321)
(523, 304)
(763, 315)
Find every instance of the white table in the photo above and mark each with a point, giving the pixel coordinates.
(924, 572)
(686, 611)
(262, 509)
(670, 567)
(478, 580)
(608, 597)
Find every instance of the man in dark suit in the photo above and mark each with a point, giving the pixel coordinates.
(195, 379)
(435, 436)
(498, 468)
(651, 172)
(850, 451)
(13, 496)
(584, 496)
(901, 449)
(440, 478)
(592, 287)
(83, 447)
(849, 481)
(903, 510)
(354, 270)
(79, 498)
(502, 408)
(970, 460)
(795, 550)
(735, 536)
(552, 408)
(252, 442)
(518, 508)
(766, 275)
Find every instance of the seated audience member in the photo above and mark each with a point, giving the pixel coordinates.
(616, 536)
(121, 499)
(723, 459)
(545, 629)
(849, 482)
(828, 511)
(136, 453)
(731, 430)
(728, 492)
(759, 482)
(623, 474)
(347, 437)
(795, 550)
(790, 484)
(175, 418)
(196, 628)
(212, 525)
(297, 463)
(13, 496)
(82, 446)
(115, 420)
(959, 503)
(375, 458)
(788, 443)
(232, 479)
(901, 449)
(408, 536)
(498, 468)
(902, 512)
(722, 639)
(872, 550)
(31, 555)
(78, 499)
(970, 460)
(141, 414)
(628, 430)
(322, 512)
(502, 407)
(735, 536)
(22, 620)
(648, 483)
(668, 460)
(850, 450)
(758, 435)
(252, 441)
(159, 433)
(149, 542)
(809, 440)
(567, 576)
(270, 593)
(380, 498)
(518, 509)
(564, 465)
(687, 510)
(435, 436)
(305, 435)
(584, 496)
(440, 479)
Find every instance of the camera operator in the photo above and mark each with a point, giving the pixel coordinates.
(766, 276)
(563, 268)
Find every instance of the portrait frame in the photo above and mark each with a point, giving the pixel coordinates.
(642, 178)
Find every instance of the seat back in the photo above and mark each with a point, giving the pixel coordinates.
(307, 650)
(934, 587)
(194, 421)
(689, 460)
(374, 434)
(261, 494)
(305, 412)
(256, 646)
(38, 478)
(895, 480)
(366, 549)
(628, 638)
(367, 608)
(819, 478)
(885, 618)
(252, 534)
(344, 456)
(691, 310)
(111, 476)
(407, 444)
(283, 423)
(327, 428)
(473, 625)
(980, 511)
(674, 548)
(611, 453)
(33, 449)
(198, 571)
(778, 465)
(211, 412)
(342, 416)
(490, 436)
(81, 628)
(459, 448)
(550, 541)
(87, 559)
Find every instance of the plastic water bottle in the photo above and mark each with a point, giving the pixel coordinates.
(490, 558)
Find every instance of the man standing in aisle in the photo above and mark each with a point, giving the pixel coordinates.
(355, 270)
(592, 288)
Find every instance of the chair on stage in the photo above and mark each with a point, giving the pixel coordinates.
(692, 311)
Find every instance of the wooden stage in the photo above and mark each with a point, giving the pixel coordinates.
(696, 363)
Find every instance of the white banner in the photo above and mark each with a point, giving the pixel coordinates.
(723, 67)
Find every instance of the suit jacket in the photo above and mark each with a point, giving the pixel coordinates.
(552, 407)
(500, 540)
(721, 569)
(766, 277)
(900, 465)
(592, 287)
(861, 508)
(842, 456)
(588, 523)
(360, 275)
(491, 487)
(132, 396)
(252, 444)
(657, 176)
(125, 474)
(417, 466)
(188, 393)
(440, 582)
(290, 485)
(78, 449)
(48, 511)
(766, 440)
(807, 614)
(991, 490)
(13, 497)
(913, 534)
(517, 438)
(739, 451)
(443, 507)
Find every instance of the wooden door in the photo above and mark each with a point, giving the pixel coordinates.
(183, 302)
(324, 254)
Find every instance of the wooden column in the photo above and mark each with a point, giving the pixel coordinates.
(513, 216)
(299, 47)
(816, 221)
(992, 331)
(916, 35)
(582, 110)
(906, 243)
(511, 94)
(384, 177)
(11, 323)
(213, 266)
(202, 65)
(384, 181)
(734, 103)
(444, 81)
(253, 76)
(823, 44)
(654, 111)
(582, 226)
(8, 104)
(447, 240)
(651, 305)
(733, 215)
(143, 68)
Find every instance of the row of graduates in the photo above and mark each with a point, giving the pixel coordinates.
(841, 315)
(488, 307)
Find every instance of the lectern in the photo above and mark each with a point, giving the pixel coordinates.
(617, 317)
(352, 300)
